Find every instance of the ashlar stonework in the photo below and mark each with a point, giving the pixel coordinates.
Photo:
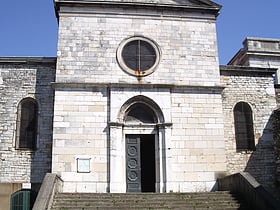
(165, 123)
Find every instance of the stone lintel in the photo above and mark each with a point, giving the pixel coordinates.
(159, 125)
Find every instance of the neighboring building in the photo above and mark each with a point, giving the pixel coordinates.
(136, 101)
(26, 110)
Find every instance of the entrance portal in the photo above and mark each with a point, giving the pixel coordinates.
(140, 163)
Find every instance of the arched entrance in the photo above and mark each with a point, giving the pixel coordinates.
(138, 147)
(140, 163)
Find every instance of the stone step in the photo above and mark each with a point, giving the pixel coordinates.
(196, 201)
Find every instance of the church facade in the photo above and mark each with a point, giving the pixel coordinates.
(136, 101)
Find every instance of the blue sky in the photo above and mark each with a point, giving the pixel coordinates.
(29, 27)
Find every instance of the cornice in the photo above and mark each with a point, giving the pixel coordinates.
(109, 7)
(28, 60)
(72, 85)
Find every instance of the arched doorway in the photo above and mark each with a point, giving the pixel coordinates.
(138, 147)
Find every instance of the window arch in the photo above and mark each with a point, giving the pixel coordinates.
(134, 107)
(140, 113)
(27, 124)
(244, 131)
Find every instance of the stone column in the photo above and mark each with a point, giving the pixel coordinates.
(117, 169)
(165, 156)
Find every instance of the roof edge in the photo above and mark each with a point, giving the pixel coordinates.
(27, 60)
(247, 69)
(213, 7)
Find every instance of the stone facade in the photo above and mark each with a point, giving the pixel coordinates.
(91, 88)
(22, 78)
(85, 98)
(254, 86)
(265, 53)
(276, 123)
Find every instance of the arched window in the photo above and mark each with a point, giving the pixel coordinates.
(27, 124)
(140, 110)
(244, 131)
(140, 113)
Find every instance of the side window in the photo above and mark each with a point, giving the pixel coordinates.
(27, 124)
(244, 130)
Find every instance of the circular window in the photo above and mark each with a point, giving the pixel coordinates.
(138, 56)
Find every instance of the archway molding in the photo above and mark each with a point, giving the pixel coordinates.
(145, 102)
(118, 131)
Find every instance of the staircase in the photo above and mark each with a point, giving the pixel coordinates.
(190, 201)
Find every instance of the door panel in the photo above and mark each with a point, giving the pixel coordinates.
(140, 163)
(133, 163)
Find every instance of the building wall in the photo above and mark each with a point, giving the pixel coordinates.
(186, 79)
(276, 127)
(87, 48)
(259, 52)
(256, 89)
(7, 189)
(197, 142)
(25, 78)
(80, 131)
(193, 145)
(80, 118)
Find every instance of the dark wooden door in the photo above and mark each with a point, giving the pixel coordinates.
(133, 163)
(140, 163)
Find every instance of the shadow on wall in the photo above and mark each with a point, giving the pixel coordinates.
(261, 164)
(276, 135)
(44, 94)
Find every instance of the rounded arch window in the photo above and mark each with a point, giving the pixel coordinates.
(244, 128)
(138, 56)
(140, 113)
(27, 121)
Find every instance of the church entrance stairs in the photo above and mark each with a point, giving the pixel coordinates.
(220, 200)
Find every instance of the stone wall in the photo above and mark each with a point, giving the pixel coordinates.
(254, 86)
(185, 86)
(7, 190)
(197, 141)
(88, 43)
(80, 131)
(25, 77)
(276, 127)
(277, 138)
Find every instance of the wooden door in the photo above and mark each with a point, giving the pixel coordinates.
(133, 163)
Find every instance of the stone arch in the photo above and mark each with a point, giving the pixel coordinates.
(148, 104)
(152, 127)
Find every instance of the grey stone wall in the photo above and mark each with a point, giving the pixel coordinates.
(186, 78)
(254, 86)
(21, 78)
(276, 126)
(88, 43)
